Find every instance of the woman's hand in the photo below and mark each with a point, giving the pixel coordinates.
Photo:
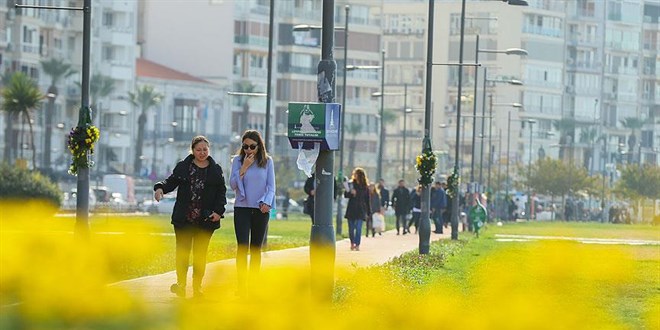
(264, 208)
(158, 194)
(214, 217)
(249, 159)
(354, 192)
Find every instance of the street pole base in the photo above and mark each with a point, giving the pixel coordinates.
(322, 261)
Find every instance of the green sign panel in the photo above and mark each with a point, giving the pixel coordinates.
(314, 123)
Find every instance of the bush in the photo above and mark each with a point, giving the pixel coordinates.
(23, 184)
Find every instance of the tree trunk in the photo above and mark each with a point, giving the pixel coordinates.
(137, 163)
(351, 154)
(34, 151)
(8, 139)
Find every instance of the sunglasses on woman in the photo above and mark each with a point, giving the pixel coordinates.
(251, 146)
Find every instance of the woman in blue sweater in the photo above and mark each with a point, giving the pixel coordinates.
(253, 180)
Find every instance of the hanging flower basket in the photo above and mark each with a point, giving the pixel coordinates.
(453, 182)
(425, 165)
(81, 140)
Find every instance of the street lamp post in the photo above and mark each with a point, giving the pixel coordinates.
(84, 117)
(269, 78)
(405, 129)
(381, 135)
(531, 123)
(340, 174)
(51, 95)
(322, 237)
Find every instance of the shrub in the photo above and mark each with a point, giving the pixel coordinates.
(23, 184)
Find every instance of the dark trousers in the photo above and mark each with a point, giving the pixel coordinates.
(250, 227)
(401, 222)
(197, 240)
(437, 220)
(414, 221)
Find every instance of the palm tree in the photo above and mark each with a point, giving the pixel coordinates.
(588, 136)
(633, 124)
(245, 87)
(353, 129)
(21, 96)
(566, 128)
(4, 81)
(56, 69)
(145, 98)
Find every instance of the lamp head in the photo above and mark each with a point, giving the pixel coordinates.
(516, 2)
(516, 51)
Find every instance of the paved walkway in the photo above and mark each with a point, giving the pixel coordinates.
(221, 275)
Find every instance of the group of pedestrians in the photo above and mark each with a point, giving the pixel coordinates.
(407, 204)
(200, 204)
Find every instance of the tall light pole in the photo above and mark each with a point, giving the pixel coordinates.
(405, 129)
(381, 135)
(322, 237)
(340, 174)
(267, 130)
(84, 116)
(531, 123)
(508, 51)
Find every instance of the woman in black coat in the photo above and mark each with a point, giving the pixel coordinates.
(358, 207)
(200, 203)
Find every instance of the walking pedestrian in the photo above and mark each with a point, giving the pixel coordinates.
(253, 180)
(375, 203)
(416, 207)
(401, 205)
(310, 190)
(384, 194)
(358, 207)
(438, 205)
(200, 203)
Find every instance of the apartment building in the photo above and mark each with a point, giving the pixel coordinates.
(30, 36)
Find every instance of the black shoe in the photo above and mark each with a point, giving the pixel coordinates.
(178, 290)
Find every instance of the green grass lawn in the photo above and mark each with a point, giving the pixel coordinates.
(566, 282)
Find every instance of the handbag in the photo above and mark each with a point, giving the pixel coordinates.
(378, 222)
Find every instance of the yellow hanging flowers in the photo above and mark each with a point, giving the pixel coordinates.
(453, 183)
(80, 141)
(426, 164)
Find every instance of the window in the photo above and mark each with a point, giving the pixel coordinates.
(108, 19)
(186, 115)
(108, 53)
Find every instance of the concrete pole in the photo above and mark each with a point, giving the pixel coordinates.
(267, 131)
(405, 130)
(474, 110)
(508, 154)
(424, 220)
(322, 238)
(454, 210)
(338, 220)
(529, 171)
(82, 186)
(381, 135)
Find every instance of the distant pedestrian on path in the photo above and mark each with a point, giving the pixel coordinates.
(358, 207)
(253, 180)
(416, 208)
(375, 203)
(200, 203)
(310, 190)
(401, 205)
(438, 205)
(384, 194)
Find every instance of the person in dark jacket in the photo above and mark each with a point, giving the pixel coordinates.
(401, 205)
(310, 189)
(200, 203)
(384, 194)
(358, 207)
(438, 204)
(415, 207)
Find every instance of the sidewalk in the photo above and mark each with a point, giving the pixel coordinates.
(221, 275)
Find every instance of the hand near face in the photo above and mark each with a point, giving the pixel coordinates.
(249, 159)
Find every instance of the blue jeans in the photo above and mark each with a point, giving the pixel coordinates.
(355, 230)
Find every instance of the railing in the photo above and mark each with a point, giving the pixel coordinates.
(550, 32)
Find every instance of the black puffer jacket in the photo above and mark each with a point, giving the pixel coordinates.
(359, 206)
(213, 198)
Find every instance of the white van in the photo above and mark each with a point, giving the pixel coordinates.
(123, 184)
